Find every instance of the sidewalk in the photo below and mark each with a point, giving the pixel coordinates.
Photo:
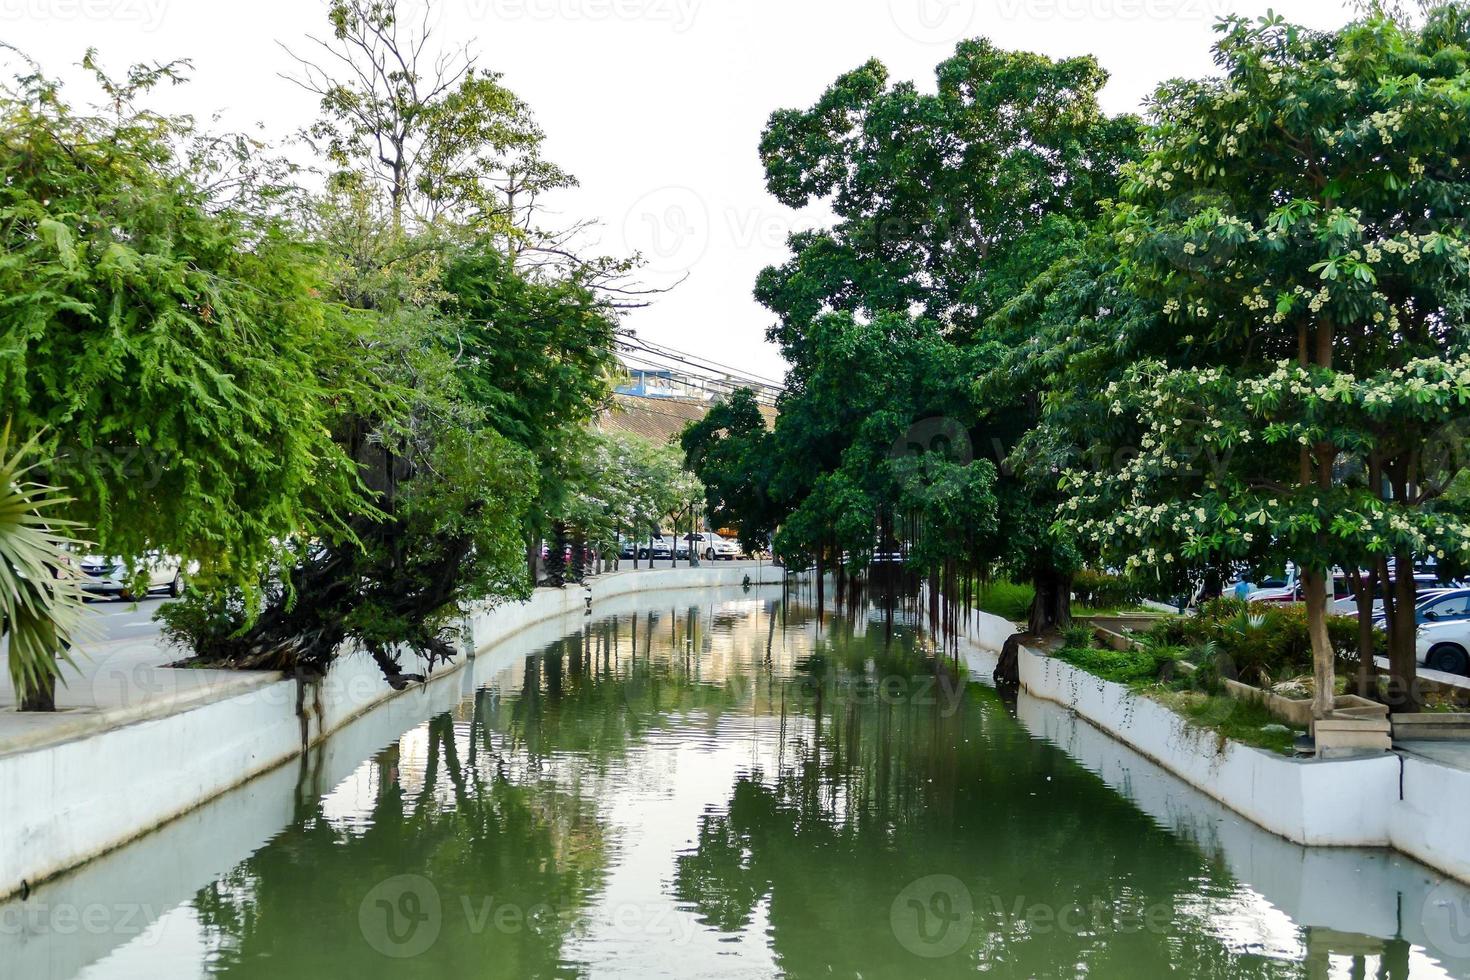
(117, 683)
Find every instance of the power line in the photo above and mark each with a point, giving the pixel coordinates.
(708, 363)
(748, 380)
(637, 363)
(731, 380)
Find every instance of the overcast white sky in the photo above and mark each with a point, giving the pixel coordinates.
(656, 105)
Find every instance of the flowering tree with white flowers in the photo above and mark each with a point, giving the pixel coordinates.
(1303, 223)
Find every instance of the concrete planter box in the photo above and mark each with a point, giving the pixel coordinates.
(1135, 622)
(1343, 735)
(1414, 805)
(1112, 639)
(1431, 727)
(1298, 712)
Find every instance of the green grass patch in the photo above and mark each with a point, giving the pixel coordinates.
(1080, 609)
(1007, 600)
(1012, 601)
(1121, 666)
(1247, 722)
(1152, 671)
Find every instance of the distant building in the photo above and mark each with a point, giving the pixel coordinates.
(666, 383)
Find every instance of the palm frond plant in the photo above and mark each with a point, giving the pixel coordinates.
(40, 592)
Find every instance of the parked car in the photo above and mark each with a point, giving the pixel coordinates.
(1341, 589)
(110, 577)
(1432, 605)
(1445, 646)
(655, 547)
(713, 546)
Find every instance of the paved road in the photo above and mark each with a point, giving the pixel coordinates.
(113, 619)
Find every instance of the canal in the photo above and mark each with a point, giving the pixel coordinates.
(722, 786)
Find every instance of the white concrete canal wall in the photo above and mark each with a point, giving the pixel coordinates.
(1412, 805)
(63, 802)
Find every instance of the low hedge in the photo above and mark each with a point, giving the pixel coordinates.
(1122, 666)
(1258, 644)
(1104, 590)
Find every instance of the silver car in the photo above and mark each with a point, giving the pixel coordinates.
(115, 577)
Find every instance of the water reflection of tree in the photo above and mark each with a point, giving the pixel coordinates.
(484, 841)
(600, 691)
(873, 792)
(869, 788)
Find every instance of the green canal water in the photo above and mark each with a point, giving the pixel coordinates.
(728, 789)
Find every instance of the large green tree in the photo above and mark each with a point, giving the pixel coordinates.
(535, 352)
(946, 204)
(165, 338)
(172, 349)
(1300, 222)
(485, 368)
(730, 450)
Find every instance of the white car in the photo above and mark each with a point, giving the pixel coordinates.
(1445, 646)
(714, 547)
(111, 577)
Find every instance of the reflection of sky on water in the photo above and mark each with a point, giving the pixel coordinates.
(647, 743)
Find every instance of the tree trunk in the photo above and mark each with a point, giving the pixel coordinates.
(1008, 669)
(1403, 655)
(821, 584)
(1365, 587)
(578, 571)
(1324, 698)
(556, 556)
(1051, 609)
(42, 698)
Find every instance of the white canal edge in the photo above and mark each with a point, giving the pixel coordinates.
(69, 802)
(65, 802)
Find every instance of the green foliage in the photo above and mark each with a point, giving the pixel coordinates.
(933, 191)
(1079, 637)
(628, 486)
(945, 206)
(485, 366)
(535, 354)
(171, 344)
(40, 596)
(441, 137)
(731, 451)
(1120, 666)
(1104, 590)
(1008, 600)
(1256, 644)
(1300, 226)
(1237, 720)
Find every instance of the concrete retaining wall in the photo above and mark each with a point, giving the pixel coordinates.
(70, 801)
(1414, 806)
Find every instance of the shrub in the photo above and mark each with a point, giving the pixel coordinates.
(1078, 637)
(1258, 644)
(1007, 600)
(1103, 590)
(1123, 666)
